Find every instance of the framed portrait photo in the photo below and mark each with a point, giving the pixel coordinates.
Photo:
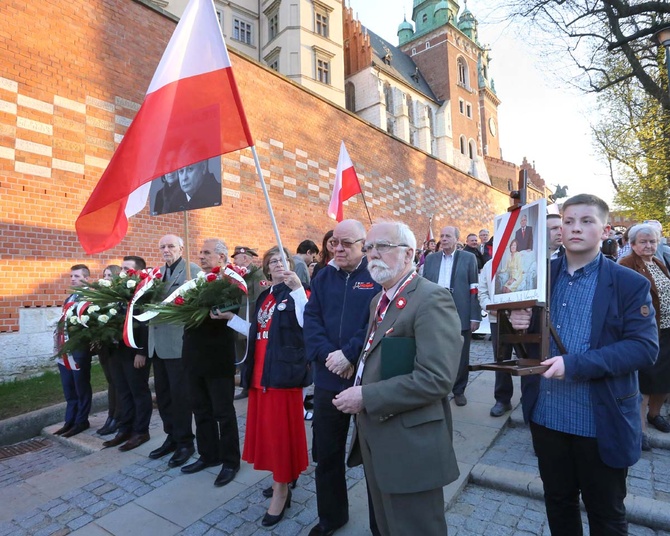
(519, 266)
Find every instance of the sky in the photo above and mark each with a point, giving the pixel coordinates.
(541, 117)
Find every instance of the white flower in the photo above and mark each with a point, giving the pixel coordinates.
(84, 319)
(73, 319)
(93, 309)
(131, 283)
(69, 313)
(104, 283)
(103, 319)
(123, 275)
(112, 312)
(201, 275)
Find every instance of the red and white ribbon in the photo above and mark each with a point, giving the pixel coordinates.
(143, 286)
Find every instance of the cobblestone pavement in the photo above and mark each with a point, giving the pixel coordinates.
(475, 511)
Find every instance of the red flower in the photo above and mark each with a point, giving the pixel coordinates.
(179, 300)
(159, 275)
(216, 270)
(143, 275)
(210, 277)
(131, 272)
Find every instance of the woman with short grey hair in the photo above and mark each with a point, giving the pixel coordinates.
(655, 380)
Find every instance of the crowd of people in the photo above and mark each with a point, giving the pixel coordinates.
(382, 329)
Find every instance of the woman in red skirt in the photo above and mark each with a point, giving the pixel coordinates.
(276, 371)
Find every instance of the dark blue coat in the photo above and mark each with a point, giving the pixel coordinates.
(336, 318)
(623, 340)
(285, 363)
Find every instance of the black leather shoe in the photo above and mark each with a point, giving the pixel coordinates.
(244, 393)
(269, 520)
(167, 447)
(500, 409)
(460, 400)
(659, 422)
(225, 476)
(76, 429)
(197, 466)
(267, 492)
(135, 441)
(65, 428)
(119, 438)
(110, 427)
(181, 456)
(320, 530)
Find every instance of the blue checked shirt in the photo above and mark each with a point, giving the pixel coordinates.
(564, 405)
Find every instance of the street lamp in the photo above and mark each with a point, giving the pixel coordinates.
(662, 37)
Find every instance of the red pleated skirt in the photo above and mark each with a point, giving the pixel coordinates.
(275, 437)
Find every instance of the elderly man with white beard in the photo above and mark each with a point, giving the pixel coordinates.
(403, 431)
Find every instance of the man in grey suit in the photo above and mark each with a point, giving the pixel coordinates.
(165, 343)
(457, 271)
(403, 433)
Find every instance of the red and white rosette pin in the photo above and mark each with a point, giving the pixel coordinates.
(400, 303)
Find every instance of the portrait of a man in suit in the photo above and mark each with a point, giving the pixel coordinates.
(524, 235)
(200, 185)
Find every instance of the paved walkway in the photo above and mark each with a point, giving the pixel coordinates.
(75, 487)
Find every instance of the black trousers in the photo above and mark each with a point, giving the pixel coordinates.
(504, 388)
(463, 372)
(571, 464)
(132, 389)
(215, 419)
(330, 428)
(172, 398)
(114, 409)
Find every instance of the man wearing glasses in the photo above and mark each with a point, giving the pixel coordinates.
(403, 426)
(336, 319)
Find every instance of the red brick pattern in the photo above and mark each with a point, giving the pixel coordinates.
(67, 90)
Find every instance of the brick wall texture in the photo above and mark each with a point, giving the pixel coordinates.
(72, 76)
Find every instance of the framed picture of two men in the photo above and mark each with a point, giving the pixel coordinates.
(519, 267)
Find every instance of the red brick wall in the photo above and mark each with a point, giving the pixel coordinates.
(100, 55)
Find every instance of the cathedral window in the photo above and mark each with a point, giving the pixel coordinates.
(388, 97)
(472, 150)
(350, 96)
(463, 79)
(463, 145)
(468, 110)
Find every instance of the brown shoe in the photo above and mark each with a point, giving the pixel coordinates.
(119, 438)
(135, 441)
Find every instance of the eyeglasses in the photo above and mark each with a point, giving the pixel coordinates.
(382, 246)
(346, 244)
(274, 262)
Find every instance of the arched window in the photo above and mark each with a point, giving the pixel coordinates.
(424, 18)
(350, 96)
(464, 144)
(463, 73)
(472, 150)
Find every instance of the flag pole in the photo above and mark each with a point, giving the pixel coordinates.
(186, 244)
(267, 201)
(366, 206)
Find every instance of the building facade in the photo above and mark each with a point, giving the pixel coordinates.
(301, 39)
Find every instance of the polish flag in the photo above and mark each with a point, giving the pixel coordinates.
(429, 234)
(346, 185)
(192, 111)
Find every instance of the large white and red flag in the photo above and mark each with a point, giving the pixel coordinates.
(346, 185)
(192, 111)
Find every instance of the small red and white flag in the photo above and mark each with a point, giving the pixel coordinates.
(429, 234)
(346, 185)
(192, 112)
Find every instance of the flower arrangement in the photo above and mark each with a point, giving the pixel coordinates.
(221, 289)
(98, 316)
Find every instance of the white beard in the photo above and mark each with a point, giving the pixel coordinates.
(382, 272)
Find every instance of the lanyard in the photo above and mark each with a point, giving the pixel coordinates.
(380, 313)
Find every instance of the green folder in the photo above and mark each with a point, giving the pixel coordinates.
(398, 354)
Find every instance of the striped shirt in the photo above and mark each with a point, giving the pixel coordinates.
(563, 405)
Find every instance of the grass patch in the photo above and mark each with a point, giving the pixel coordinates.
(21, 396)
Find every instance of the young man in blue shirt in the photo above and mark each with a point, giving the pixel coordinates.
(584, 410)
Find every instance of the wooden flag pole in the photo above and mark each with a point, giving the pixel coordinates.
(366, 206)
(267, 201)
(186, 245)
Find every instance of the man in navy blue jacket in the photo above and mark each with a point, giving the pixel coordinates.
(584, 411)
(336, 319)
